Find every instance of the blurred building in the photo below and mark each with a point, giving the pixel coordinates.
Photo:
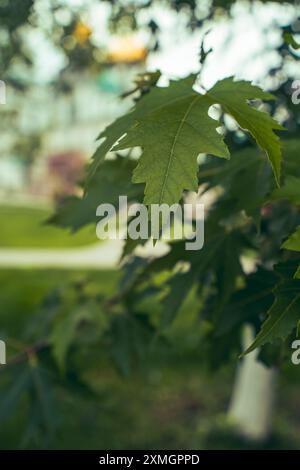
(67, 121)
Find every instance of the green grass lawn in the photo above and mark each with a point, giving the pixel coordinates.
(26, 228)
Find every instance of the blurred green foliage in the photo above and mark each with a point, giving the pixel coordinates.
(173, 402)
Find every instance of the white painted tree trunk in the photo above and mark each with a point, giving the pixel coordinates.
(253, 396)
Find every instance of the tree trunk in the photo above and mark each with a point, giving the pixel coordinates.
(253, 396)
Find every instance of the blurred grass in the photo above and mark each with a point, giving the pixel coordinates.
(26, 228)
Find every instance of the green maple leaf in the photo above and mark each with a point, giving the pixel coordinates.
(110, 135)
(284, 314)
(150, 102)
(172, 126)
(172, 137)
(233, 97)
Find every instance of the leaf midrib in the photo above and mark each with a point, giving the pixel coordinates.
(170, 159)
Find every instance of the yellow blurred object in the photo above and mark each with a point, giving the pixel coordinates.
(82, 32)
(126, 49)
